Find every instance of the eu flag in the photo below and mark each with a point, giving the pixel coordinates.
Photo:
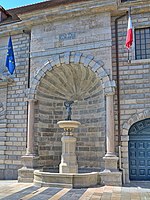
(10, 59)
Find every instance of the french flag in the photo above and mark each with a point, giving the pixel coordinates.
(129, 37)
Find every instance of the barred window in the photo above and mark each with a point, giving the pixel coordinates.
(126, 0)
(142, 43)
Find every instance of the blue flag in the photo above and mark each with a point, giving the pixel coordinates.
(10, 59)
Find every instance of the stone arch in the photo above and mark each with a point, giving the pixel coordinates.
(125, 138)
(133, 119)
(102, 100)
(76, 58)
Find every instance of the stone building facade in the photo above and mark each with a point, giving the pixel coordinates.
(75, 50)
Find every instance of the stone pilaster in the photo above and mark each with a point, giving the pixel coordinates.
(110, 158)
(111, 174)
(29, 161)
(30, 136)
(110, 125)
(110, 140)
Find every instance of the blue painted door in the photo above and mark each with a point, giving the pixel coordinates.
(139, 151)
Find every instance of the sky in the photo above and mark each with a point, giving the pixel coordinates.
(7, 4)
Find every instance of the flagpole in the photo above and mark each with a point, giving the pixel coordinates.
(129, 56)
(129, 14)
(15, 73)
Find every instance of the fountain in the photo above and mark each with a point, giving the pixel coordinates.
(68, 175)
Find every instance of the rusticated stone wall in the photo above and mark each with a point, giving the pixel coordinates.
(13, 98)
(90, 135)
(134, 83)
(90, 35)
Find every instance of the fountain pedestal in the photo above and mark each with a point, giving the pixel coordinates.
(68, 158)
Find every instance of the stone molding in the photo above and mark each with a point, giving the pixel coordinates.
(77, 9)
(75, 58)
(133, 119)
(109, 87)
(5, 80)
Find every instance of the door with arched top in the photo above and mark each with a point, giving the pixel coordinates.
(139, 151)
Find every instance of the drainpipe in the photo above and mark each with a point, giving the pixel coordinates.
(29, 68)
(118, 94)
(118, 79)
(120, 166)
(29, 63)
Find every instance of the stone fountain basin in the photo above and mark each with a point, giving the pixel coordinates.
(68, 124)
(65, 180)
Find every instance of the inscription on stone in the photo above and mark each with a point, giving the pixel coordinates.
(49, 28)
(67, 36)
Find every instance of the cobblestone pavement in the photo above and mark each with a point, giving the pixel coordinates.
(11, 190)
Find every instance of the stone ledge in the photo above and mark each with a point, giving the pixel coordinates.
(111, 162)
(25, 175)
(29, 161)
(44, 184)
(111, 178)
(68, 180)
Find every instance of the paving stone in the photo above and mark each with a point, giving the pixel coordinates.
(22, 191)
(45, 195)
(73, 194)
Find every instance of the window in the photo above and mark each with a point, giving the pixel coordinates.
(142, 43)
(126, 0)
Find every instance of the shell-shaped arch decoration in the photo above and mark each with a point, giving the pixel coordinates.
(71, 76)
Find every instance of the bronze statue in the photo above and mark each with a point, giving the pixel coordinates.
(68, 104)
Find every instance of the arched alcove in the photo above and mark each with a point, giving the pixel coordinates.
(71, 76)
(80, 84)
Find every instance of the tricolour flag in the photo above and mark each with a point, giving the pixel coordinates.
(129, 37)
(10, 59)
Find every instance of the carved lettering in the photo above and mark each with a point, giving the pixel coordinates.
(49, 28)
(67, 36)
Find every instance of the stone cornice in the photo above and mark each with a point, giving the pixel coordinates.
(93, 6)
(4, 81)
(115, 7)
(109, 88)
(57, 13)
(79, 47)
(137, 6)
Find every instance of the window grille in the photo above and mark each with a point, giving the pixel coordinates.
(142, 43)
(126, 0)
